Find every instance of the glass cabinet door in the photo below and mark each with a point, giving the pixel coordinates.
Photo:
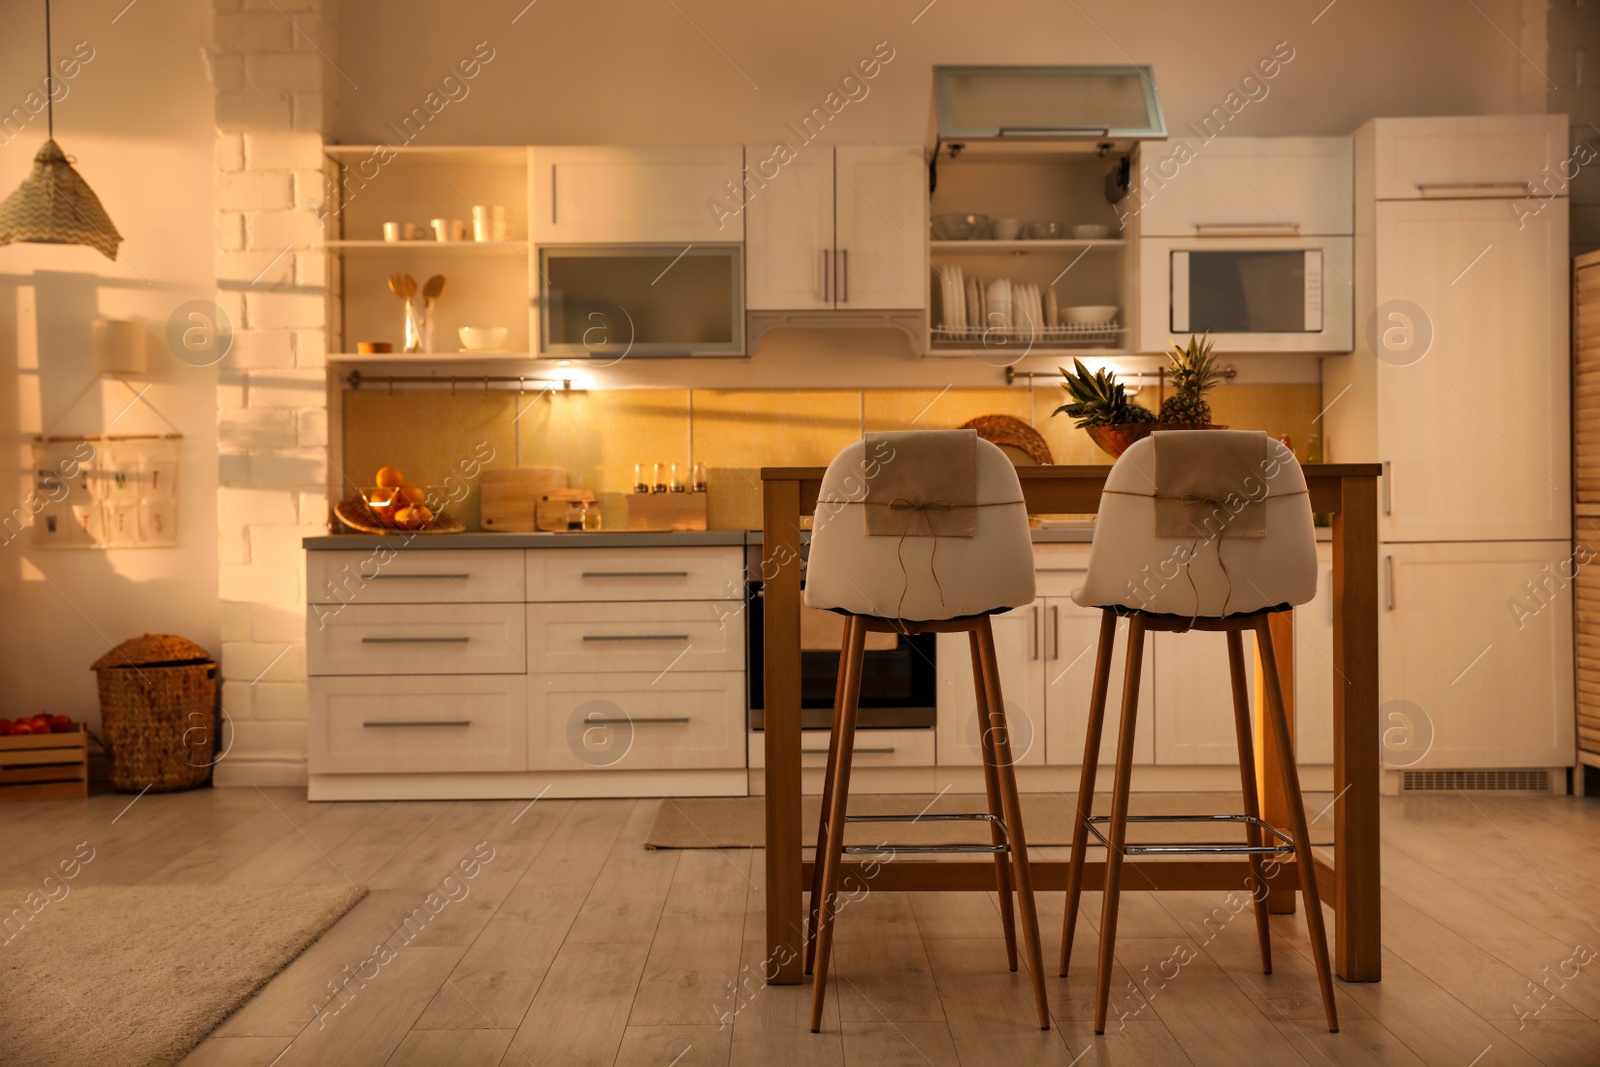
(1047, 102)
(637, 300)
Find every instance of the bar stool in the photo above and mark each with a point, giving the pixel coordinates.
(921, 581)
(1198, 530)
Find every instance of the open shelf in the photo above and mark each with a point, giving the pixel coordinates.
(1021, 247)
(478, 247)
(431, 357)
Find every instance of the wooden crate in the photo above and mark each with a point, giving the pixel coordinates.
(44, 766)
(666, 511)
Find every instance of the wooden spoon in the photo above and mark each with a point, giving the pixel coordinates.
(432, 288)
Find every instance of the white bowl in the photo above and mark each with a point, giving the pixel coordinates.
(483, 338)
(1089, 314)
(1091, 231)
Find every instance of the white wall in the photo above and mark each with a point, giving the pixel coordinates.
(138, 119)
(639, 71)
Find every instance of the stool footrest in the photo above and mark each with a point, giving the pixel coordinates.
(921, 850)
(979, 816)
(1282, 846)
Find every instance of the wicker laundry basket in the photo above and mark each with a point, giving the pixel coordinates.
(158, 709)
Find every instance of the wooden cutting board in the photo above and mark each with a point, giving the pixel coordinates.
(508, 496)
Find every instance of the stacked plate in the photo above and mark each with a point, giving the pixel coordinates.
(1004, 309)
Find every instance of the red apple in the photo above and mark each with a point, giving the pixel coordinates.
(60, 724)
(20, 729)
(5, 727)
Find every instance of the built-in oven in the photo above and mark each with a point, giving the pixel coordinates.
(899, 673)
(1252, 293)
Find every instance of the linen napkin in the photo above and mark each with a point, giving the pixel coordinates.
(1210, 483)
(925, 484)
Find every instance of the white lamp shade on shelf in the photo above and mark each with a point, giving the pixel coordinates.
(119, 347)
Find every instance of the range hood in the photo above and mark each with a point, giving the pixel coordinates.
(1045, 109)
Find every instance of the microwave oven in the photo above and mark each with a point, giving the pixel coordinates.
(1252, 294)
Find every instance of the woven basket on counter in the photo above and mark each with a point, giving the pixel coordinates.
(158, 709)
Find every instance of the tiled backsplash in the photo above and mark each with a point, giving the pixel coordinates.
(597, 437)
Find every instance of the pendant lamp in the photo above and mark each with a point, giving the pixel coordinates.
(54, 205)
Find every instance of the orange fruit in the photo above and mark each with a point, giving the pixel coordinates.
(389, 478)
(413, 516)
(411, 494)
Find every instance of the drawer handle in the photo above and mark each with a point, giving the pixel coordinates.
(636, 574)
(1521, 187)
(858, 751)
(657, 720)
(419, 722)
(415, 640)
(1059, 570)
(636, 637)
(443, 577)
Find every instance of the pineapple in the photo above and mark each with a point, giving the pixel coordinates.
(1098, 399)
(1193, 374)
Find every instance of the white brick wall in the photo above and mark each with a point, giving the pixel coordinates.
(271, 393)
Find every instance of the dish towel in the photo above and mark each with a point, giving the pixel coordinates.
(925, 484)
(1210, 483)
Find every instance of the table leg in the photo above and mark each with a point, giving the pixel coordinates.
(780, 573)
(1358, 936)
(1269, 783)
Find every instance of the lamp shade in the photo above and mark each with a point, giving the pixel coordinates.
(55, 206)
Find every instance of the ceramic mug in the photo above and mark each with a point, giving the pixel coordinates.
(488, 222)
(1005, 229)
(448, 229)
(391, 231)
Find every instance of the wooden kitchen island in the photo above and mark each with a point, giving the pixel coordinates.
(1349, 884)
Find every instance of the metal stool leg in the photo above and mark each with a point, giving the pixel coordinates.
(1252, 798)
(1091, 759)
(838, 801)
(991, 787)
(1119, 820)
(1000, 744)
(850, 623)
(1297, 811)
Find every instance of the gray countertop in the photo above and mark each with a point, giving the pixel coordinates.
(614, 539)
(597, 539)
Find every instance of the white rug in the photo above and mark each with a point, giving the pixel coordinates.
(113, 975)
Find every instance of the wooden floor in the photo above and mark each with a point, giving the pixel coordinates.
(575, 945)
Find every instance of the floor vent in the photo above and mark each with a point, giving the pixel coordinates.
(1498, 781)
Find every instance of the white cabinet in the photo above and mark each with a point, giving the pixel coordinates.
(789, 235)
(1068, 670)
(1235, 185)
(1194, 697)
(838, 228)
(1480, 156)
(1485, 658)
(880, 202)
(1016, 646)
(1474, 432)
(635, 195)
(1313, 668)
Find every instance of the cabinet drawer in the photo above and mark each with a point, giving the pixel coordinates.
(1476, 157)
(414, 576)
(589, 574)
(874, 748)
(677, 721)
(418, 639)
(441, 723)
(1060, 569)
(646, 636)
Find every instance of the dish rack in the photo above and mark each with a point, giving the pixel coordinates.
(1086, 335)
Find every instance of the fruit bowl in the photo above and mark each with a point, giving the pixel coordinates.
(403, 507)
(1116, 438)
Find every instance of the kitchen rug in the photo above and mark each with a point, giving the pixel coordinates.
(739, 822)
(140, 974)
